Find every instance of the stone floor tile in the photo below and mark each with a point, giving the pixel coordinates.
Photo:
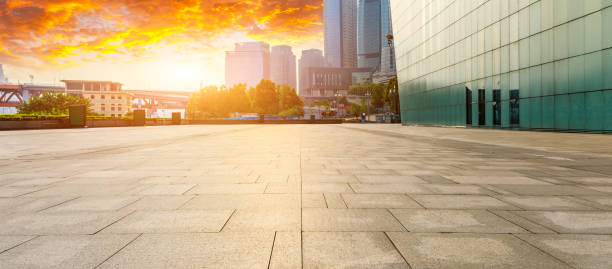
(492, 180)
(243, 201)
(159, 202)
(350, 250)
(466, 251)
(548, 190)
(377, 179)
(379, 201)
(287, 251)
(313, 200)
(167, 189)
(83, 190)
(579, 222)
(326, 188)
(66, 251)
(282, 220)
(195, 250)
(228, 188)
(456, 189)
(461, 202)
(544, 203)
(309, 178)
(57, 223)
(348, 220)
(31, 204)
(174, 221)
(445, 221)
(10, 241)
(95, 203)
(17, 191)
(579, 251)
(334, 200)
(388, 188)
(522, 222)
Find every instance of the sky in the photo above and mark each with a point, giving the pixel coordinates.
(145, 44)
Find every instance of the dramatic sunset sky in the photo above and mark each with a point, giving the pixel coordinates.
(153, 44)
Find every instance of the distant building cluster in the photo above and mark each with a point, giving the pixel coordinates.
(106, 98)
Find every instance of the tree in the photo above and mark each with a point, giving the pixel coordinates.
(52, 103)
(239, 100)
(355, 109)
(377, 98)
(288, 98)
(392, 94)
(265, 97)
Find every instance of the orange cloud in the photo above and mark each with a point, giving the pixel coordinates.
(68, 31)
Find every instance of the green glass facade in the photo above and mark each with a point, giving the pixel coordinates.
(528, 64)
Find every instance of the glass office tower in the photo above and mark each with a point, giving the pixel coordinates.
(369, 33)
(524, 64)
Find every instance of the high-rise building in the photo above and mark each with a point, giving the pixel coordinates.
(340, 21)
(505, 64)
(310, 58)
(249, 63)
(283, 66)
(369, 33)
(373, 47)
(3, 79)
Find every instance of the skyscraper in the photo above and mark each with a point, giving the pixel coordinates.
(283, 66)
(374, 23)
(3, 79)
(310, 58)
(340, 20)
(249, 63)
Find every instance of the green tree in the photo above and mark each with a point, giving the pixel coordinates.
(355, 109)
(392, 94)
(239, 99)
(52, 103)
(377, 98)
(265, 97)
(288, 98)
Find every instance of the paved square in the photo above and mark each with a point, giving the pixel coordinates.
(304, 196)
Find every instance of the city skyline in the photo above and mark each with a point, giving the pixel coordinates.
(172, 47)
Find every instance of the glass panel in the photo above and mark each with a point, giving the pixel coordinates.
(536, 113)
(561, 43)
(561, 76)
(577, 117)
(505, 59)
(548, 112)
(576, 71)
(524, 23)
(505, 32)
(576, 37)
(524, 80)
(514, 56)
(535, 81)
(575, 9)
(524, 53)
(548, 79)
(514, 28)
(534, 20)
(593, 71)
(607, 34)
(594, 110)
(560, 8)
(547, 42)
(562, 112)
(607, 69)
(547, 14)
(593, 35)
(534, 49)
(608, 110)
(524, 115)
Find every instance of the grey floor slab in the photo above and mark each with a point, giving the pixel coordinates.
(8, 241)
(57, 223)
(461, 202)
(379, 201)
(67, 251)
(159, 202)
(227, 188)
(94, 203)
(167, 189)
(284, 220)
(243, 201)
(377, 179)
(171, 221)
(459, 251)
(346, 220)
(350, 250)
(326, 188)
(548, 190)
(287, 251)
(585, 222)
(199, 250)
(465, 221)
(544, 203)
(388, 188)
(580, 251)
(496, 180)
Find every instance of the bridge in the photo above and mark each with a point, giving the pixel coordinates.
(154, 101)
(13, 95)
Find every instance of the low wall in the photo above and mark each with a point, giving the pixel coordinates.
(97, 123)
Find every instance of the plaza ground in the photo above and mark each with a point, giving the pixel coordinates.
(311, 196)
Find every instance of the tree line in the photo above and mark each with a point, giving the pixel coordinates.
(266, 98)
(380, 96)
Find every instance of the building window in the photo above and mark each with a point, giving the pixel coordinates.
(93, 97)
(119, 97)
(118, 115)
(102, 107)
(102, 97)
(112, 115)
(113, 108)
(112, 97)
